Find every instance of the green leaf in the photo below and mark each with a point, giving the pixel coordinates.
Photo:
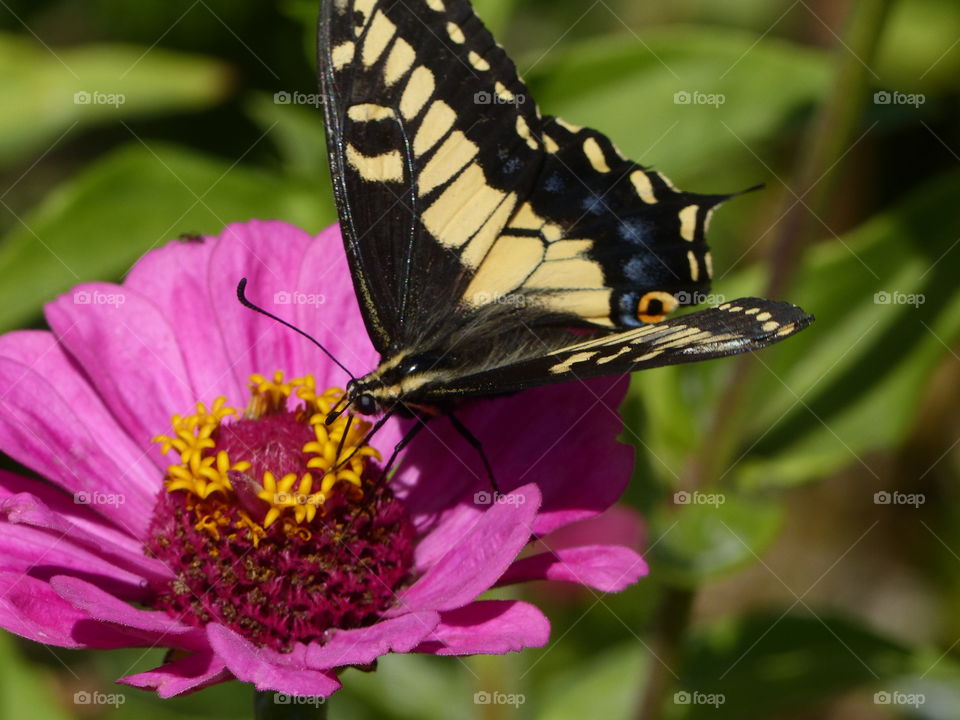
(859, 370)
(766, 664)
(26, 690)
(99, 223)
(406, 686)
(627, 86)
(495, 14)
(852, 382)
(664, 416)
(605, 686)
(919, 52)
(707, 534)
(47, 91)
(298, 133)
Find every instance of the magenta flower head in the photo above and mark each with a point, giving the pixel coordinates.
(195, 499)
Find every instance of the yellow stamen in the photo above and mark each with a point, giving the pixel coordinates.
(204, 472)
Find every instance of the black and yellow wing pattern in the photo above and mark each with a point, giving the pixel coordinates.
(484, 237)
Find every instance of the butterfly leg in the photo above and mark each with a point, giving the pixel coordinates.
(398, 448)
(478, 446)
(370, 509)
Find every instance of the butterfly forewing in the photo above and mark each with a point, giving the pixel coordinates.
(422, 110)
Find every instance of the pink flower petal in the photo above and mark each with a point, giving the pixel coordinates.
(41, 352)
(194, 672)
(38, 429)
(41, 555)
(620, 525)
(608, 568)
(89, 550)
(30, 608)
(174, 277)
(569, 448)
(438, 534)
(488, 626)
(269, 255)
(477, 557)
(364, 645)
(267, 669)
(127, 348)
(338, 324)
(65, 506)
(598, 552)
(153, 626)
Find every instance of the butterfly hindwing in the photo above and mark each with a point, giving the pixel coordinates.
(597, 234)
(744, 325)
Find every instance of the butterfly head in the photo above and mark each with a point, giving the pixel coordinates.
(361, 399)
(394, 383)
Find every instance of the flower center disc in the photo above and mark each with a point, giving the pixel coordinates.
(268, 531)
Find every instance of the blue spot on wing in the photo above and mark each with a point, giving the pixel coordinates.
(512, 165)
(641, 269)
(628, 310)
(635, 231)
(593, 204)
(555, 184)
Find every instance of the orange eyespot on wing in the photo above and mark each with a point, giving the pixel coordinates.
(655, 306)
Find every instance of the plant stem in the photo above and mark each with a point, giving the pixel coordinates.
(269, 705)
(818, 170)
(835, 129)
(672, 620)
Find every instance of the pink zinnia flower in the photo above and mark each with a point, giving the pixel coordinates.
(229, 536)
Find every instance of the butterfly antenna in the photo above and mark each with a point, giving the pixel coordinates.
(242, 297)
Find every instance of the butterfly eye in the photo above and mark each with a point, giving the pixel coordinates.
(366, 404)
(655, 306)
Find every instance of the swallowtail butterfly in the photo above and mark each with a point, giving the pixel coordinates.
(493, 248)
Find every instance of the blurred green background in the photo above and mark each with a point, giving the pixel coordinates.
(805, 594)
